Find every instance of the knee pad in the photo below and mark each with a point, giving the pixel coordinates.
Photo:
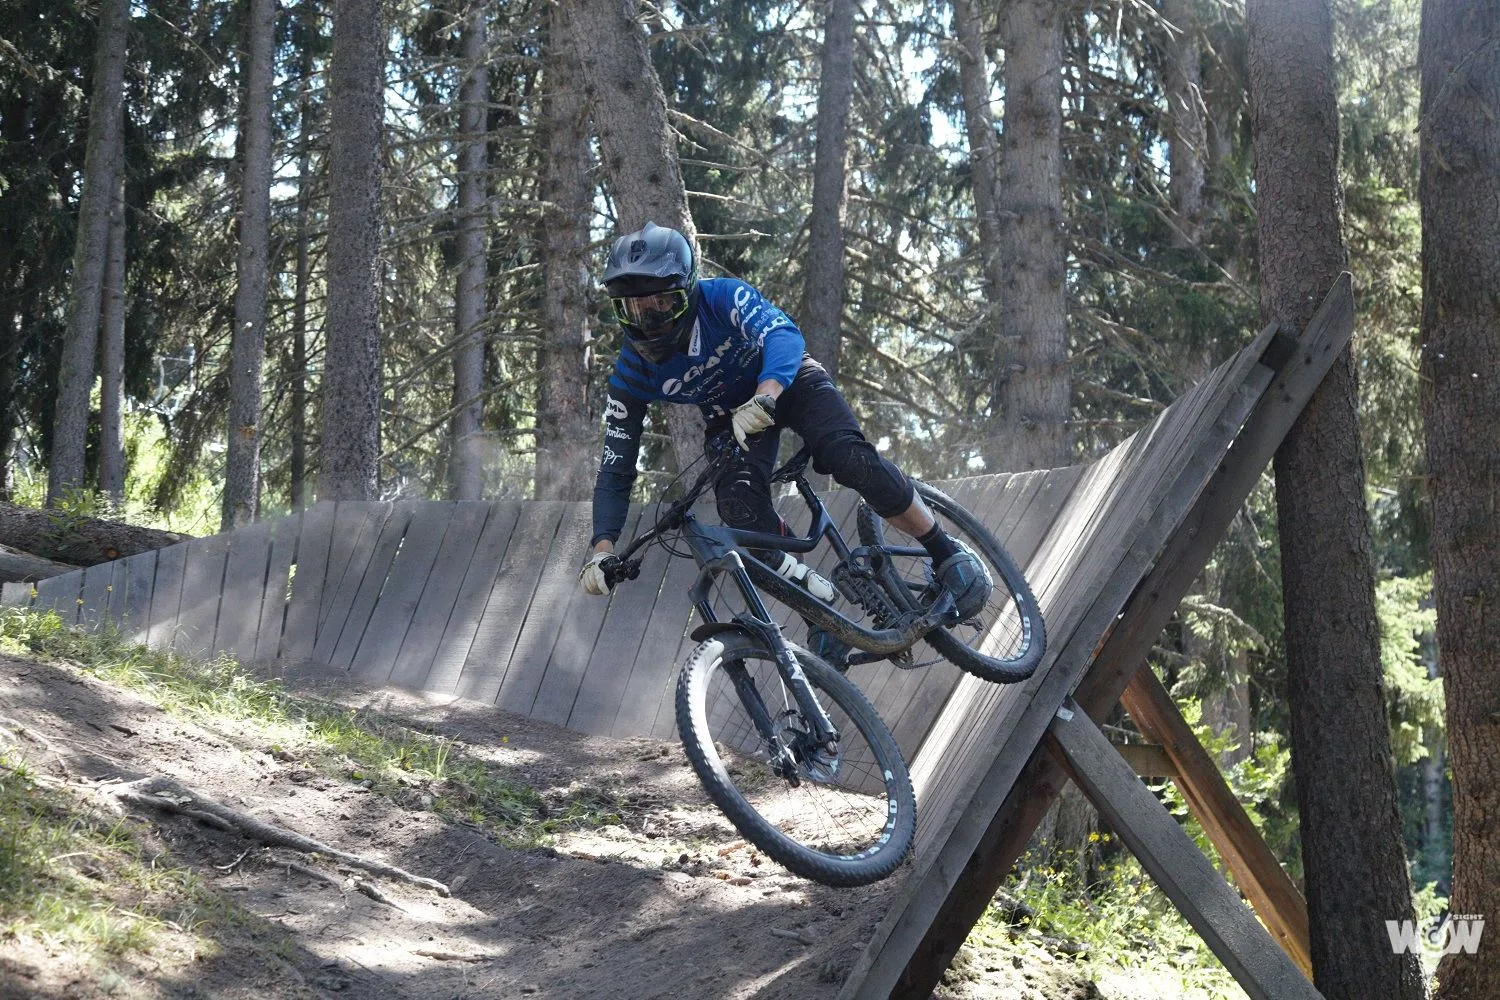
(854, 463)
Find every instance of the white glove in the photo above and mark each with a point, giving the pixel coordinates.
(751, 417)
(592, 574)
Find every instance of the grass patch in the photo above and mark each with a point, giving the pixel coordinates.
(1117, 913)
(72, 875)
(394, 759)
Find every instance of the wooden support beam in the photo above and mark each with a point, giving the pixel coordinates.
(1148, 760)
(1256, 871)
(1225, 923)
(1300, 366)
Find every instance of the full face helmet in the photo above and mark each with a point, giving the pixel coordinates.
(652, 282)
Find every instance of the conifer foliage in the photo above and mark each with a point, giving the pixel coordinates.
(1019, 230)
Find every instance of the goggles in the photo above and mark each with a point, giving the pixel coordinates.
(651, 312)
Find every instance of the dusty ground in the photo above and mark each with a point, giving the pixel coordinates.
(669, 903)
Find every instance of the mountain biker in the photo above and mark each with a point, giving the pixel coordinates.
(719, 344)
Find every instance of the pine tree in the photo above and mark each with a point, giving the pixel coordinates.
(1341, 753)
(1460, 401)
(71, 417)
(252, 270)
(351, 371)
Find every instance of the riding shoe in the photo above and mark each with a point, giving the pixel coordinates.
(967, 579)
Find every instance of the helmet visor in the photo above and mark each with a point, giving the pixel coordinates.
(653, 312)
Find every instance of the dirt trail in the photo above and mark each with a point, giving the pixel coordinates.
(668, 903)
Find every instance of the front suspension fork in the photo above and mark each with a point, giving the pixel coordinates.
(760, 622)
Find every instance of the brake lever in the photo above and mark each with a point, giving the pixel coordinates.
(621, 569)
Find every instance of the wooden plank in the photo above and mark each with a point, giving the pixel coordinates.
(515, 590)
(556, 587)
(94, 600)
(17, 595)
(1229, 928)
(357, 530)
(462, 537)
(141, 568)
(1148, 760)
(202, 588)
(970, 805)
(373, 582)
(1255, 868)
(1151, 606)
(663, 662)
(166, 595)
(1300, 371)
(61, 594)
(308, 580)
(467, 614)
(244, 590)
(654, 673)
(119, 585)
(1099, 526)
(275, 598)
(604, 685)
(581, 620)
(944, 752)
(908, 699)
(912, 709)
(396, 608)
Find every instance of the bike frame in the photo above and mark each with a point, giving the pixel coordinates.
(720, 549)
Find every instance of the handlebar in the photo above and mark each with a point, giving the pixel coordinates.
(723, 453)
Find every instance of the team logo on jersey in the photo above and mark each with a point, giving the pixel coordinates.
(614, 409)
(741, 319)
(673, 386)
(697, 342)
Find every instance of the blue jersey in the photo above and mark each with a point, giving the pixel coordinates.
(738, 340)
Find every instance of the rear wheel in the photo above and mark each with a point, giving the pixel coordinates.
(1004, 641)
(842, 815)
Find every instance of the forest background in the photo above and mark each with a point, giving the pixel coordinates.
(492, 209)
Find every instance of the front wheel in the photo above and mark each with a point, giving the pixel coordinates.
(1004, 641)
(842, 815)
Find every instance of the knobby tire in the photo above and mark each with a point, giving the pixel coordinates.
(849, 832)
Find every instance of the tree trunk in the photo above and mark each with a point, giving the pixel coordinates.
(112, 356)
(1341, 752)
(984, 167)
(23, 567)
(466, 461)
(638, 147)
(1032, 351)
(1187, 132)
(1460, 197)
(822, 309)
(297, 488)
(81, 541)
(70, 420)
(566, 418)
(252, 268)
(350, 450)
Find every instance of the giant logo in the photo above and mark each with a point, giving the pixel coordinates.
(673, 386)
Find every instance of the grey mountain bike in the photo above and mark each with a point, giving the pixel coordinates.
(783, 742)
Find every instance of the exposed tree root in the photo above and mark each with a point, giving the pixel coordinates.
(170, 796)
